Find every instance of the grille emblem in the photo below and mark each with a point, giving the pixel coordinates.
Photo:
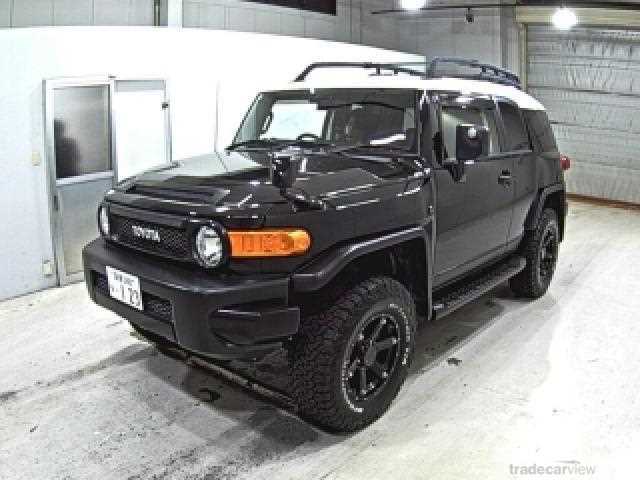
(145, 233)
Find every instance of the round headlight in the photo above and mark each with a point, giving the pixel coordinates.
(209, 246)
(103, 221)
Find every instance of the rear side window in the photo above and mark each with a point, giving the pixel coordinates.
(540, 131)
(517, 138)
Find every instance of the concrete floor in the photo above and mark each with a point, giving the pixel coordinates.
(552, 383)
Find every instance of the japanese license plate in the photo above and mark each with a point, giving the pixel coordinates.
(124, 287)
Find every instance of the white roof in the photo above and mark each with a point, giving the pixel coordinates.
(520, 98)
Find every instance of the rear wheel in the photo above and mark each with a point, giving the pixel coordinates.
(350, 360)
(540, 249)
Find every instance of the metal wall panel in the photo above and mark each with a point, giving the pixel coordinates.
(352, 23)
(73, 12)
(111, 12)
(589, 80)
(32, 13)
(5, 13)
(141, 12)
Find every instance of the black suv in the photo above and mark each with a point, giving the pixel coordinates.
(341, 214)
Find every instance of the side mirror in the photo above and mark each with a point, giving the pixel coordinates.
(284, 169)
(472, 141)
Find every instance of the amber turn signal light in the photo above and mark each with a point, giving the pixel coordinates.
(280, 242)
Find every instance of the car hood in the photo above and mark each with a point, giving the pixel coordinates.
(239, 181)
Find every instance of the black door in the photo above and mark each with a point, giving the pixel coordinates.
(473, 215)
(525, 178)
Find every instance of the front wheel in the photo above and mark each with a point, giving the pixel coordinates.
(350, 360)
(540, 249)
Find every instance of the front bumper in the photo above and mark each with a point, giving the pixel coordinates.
(212, 315)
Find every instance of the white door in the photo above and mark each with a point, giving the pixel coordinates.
(79, 152)
(141, 126)
(99, 131)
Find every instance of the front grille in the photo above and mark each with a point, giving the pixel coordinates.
(154, 306)
(174, 242)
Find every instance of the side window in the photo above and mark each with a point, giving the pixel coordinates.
(540, 131)
(454, 115)
(516, 135)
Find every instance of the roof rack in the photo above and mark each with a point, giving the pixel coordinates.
(488, 72)
(392, 67)
(428, 69)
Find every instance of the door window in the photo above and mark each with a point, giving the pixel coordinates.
(454, 115)
(81, 130)
(516, 135)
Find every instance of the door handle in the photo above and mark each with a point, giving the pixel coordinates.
(505, 178)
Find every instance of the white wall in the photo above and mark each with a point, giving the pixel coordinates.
(31, 13)
(194, 63)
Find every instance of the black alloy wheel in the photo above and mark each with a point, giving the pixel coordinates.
(540, 250)
(350, 359)
(548, 255)
(371, 357)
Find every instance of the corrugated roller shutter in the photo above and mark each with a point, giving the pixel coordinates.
(589, 80)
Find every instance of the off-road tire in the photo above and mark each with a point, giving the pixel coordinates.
(320, 354)
(529, 282)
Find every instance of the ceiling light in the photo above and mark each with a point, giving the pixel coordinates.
(412, 4)
(564, 19)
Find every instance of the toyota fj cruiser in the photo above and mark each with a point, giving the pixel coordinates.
(342, 212)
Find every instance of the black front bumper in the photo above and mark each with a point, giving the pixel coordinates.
(209, 314)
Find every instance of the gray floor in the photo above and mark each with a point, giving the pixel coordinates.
(551, 384)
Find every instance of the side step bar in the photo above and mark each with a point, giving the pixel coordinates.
(463, 293)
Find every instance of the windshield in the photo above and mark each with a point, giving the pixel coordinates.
(336, 117)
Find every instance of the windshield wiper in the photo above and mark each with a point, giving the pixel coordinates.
(308, 143)
(395, 155)
(256, 142)
(276, 142)
(366, 146)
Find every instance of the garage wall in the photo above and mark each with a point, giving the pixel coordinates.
(353, 22)
(492, 37)
(203, 87)
(589, 79)
(31, 13)
(448, 34)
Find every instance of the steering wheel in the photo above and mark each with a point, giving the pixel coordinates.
(308, 136)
